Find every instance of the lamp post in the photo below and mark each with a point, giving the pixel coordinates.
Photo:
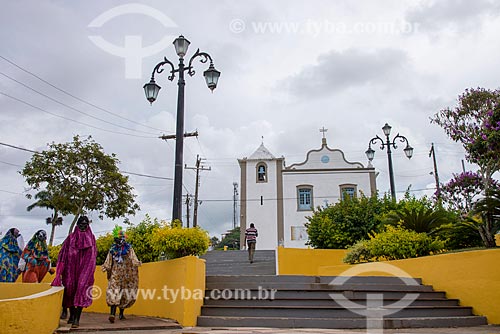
(151, 90)
(370, 153)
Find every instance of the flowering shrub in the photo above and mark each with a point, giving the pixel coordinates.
(175, 241)
(393, 244)
(475, 122)
(348, 221)
(53, 254)
(154, 240)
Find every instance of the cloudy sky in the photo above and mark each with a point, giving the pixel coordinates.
(288, 69)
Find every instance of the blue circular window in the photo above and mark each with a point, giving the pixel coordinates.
(325, 159)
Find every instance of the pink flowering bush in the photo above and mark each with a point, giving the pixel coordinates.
(475, 122)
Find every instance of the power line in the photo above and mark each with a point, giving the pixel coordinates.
(150, 176)
(35, 152)
(69, 119)
(70, 107)
(10, 192)
(76, 97)
(18, 148)
(10, 164)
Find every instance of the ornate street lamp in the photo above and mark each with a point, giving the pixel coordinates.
(370, 153)
(152, 89)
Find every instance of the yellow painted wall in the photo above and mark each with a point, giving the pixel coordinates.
(299, 261)
(8, 291)
(21, 305)
(473, 277)
(172, 289)
(158, 284)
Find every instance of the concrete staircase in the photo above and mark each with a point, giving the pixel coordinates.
(235, 262)
(238, 297)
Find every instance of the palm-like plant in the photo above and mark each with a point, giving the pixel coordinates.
(45, 200)
(488, 208)
(420, 219)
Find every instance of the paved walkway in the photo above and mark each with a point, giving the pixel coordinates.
(227, 330)
(98, 322)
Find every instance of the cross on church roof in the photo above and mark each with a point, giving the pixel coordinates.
(323, 140)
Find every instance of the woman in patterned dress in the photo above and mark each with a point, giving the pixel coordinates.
(121, 266)
(10, 253)
(35, 262)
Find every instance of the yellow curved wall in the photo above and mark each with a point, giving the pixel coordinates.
(159, 282)
(300, 261)
(26, 307)
(473, 277)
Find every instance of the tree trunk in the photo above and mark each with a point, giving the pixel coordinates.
(487, 237)
(53, 229)
(485, 229)
(77, 215)
(52, 234)
(73, 224)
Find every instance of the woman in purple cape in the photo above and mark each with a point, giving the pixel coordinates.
(75, 270)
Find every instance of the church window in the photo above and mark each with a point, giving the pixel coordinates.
(304, 198)
(348, 190)
(261, 172)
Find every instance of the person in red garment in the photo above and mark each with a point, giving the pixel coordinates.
(75, 270)
(35, 262)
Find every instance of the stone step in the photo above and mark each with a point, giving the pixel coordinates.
(317, 286)
(246, 299)
(238, 255)
(316, 294)
(236, 263)
(332, 311)
(313, 279)
(340, 323)
(251, 295)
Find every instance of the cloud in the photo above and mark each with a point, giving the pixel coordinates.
(338, 71)
(459, 15)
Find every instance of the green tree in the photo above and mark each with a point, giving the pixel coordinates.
(86, 178)
(231, 239)
(103, 244)
(45, 200)
(348, 221)
(214, 241)
(475, 123)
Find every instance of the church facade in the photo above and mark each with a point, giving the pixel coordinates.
(278, 198)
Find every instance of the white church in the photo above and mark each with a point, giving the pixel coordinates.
(278, 198)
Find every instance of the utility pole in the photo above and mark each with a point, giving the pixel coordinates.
(188, 204)
(432, 153)
(178, 210)
(186, 134)
(198, 168)
(235, 200)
